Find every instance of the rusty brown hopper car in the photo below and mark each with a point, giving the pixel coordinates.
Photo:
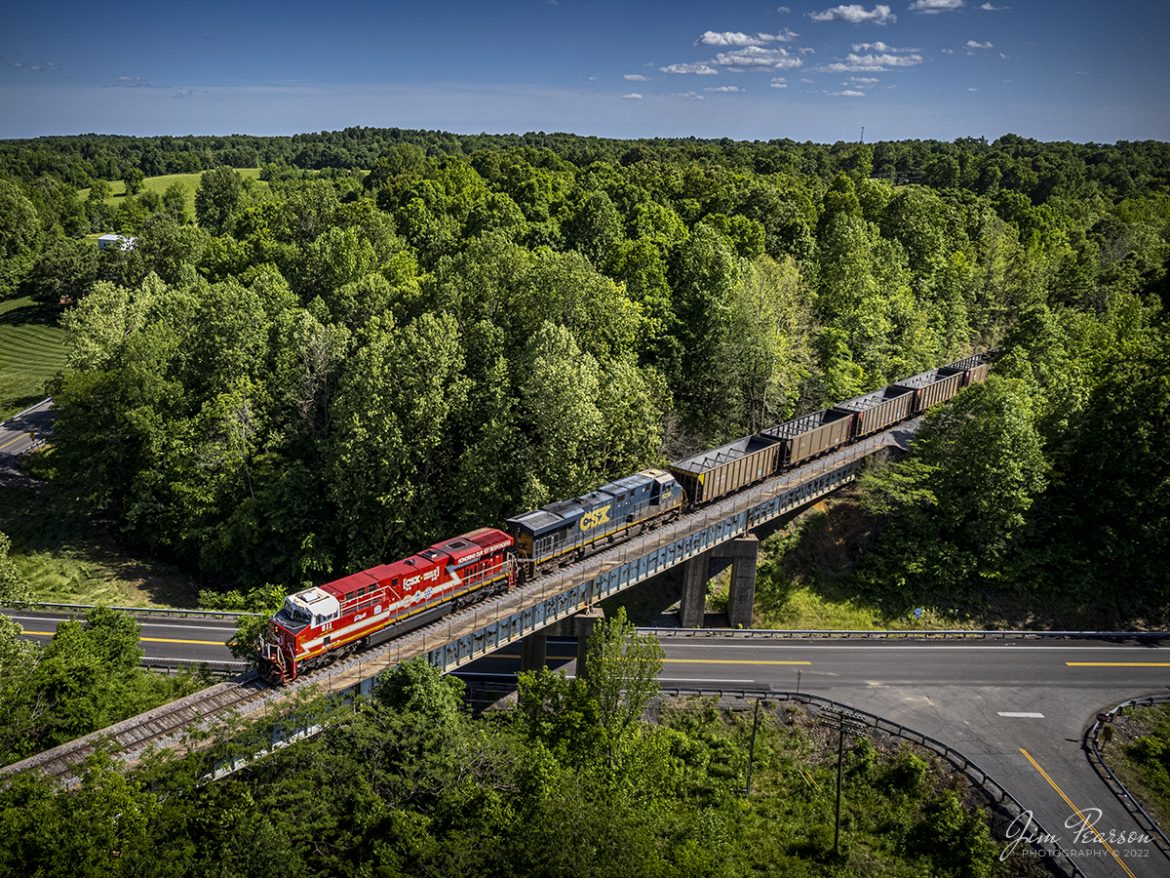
(977, 372)
(716, 473)
(933, 387)
(809, 435)
(875, 411)
(974, 368)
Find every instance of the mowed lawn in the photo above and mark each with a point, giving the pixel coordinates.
(190, 182)
(31, 352)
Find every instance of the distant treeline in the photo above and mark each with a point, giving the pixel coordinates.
(1037, 169)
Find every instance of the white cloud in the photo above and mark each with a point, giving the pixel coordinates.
(879, 46)
(987, 7)
(855, 14)
(972, 88)
(841, 67)
(728, 39)
(848, 93)
(725, 89)
(755, 56)
(779, 82)
(871, 63)
(783, 9)
(689, 96)
(698, 69)
(974, 44)
(807, 50)
(948, 51)
(932, 7)
(861, 81)
(636, 77)
(885, 60)
(632, 96)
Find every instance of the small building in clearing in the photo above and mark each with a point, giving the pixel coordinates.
(122, 242)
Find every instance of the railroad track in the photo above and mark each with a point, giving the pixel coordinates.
(177, 726)
(165, 727)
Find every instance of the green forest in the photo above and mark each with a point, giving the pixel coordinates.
(572, 781)
(397, 335)
(406, 334)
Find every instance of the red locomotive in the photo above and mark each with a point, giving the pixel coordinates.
(328, 621)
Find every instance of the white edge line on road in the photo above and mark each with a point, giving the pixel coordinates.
(1021, 714)
(838, 644)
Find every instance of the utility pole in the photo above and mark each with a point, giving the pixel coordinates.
(840, 723)
(840, 761)
(863, 134)
(747, 790)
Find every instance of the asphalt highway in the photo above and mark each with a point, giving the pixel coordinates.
(1016, 708)
(19, 434)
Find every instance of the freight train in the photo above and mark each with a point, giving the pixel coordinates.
(323, 623)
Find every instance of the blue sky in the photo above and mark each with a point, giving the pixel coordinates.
(747, 70)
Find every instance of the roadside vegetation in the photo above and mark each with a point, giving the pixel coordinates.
(86, 678)
(59, 555)
(1137, 747)
(571, 781)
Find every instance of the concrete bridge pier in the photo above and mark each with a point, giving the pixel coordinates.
(583, 624)
(696, 575)
(744, 555)
(534, 651)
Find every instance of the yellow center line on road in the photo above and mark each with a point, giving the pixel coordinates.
(14, 441)
(142, 639)
(1084, 820)
(1118, 664)
(676, 661)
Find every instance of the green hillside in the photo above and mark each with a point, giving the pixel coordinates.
(31, 351)
(159, 184)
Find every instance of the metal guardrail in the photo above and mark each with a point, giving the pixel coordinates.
(901, 634)
(161, 612)
(992, 788)
(1128, 800)
(1056, 857)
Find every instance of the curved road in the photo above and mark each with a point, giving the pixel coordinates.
(1017, 708)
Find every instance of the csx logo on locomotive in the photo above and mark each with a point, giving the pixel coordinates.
(595, 518)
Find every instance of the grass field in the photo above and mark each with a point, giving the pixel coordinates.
(189, 181)
(62, 557)
(31, 351)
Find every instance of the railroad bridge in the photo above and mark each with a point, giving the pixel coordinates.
(723, 528)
